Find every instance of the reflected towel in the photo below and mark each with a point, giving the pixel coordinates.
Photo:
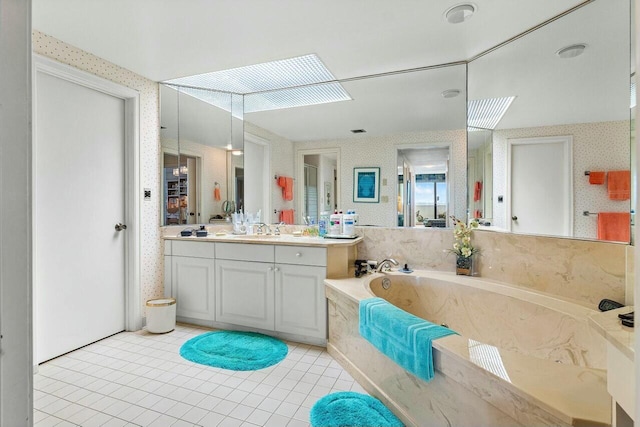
(596, 178)
(286, 216)
(619, 185)
(287, 187)
(403, 337)
(615, 226)
(477, 191)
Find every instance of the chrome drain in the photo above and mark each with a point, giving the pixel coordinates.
(386, 283)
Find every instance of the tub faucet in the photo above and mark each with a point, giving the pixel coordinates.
(384, 265)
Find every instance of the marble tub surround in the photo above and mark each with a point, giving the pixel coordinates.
(476, 384)
(510, 318)
(582, 270)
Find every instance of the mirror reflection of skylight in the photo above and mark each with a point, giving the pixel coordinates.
(262, 83)
(487, 113)
(295, 97)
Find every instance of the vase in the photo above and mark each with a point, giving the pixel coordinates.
(464, 265)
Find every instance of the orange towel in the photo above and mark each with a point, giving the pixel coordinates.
(596, 178)
(619, 185)
(614, 226)
(286, 216)
(477, 193)
(216, 194)
(287, 187)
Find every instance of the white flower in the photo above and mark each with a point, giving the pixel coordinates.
(466, 252)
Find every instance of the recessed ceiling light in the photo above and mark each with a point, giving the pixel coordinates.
(450, 93)
(571, 51)
(460, 13)
(358, 131)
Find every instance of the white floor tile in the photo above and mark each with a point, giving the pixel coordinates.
(139, 379)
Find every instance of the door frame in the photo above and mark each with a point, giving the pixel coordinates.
(266, 167)
(567, 141)
(131, 98)
(299, 176)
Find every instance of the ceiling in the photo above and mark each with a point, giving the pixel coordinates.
(166, 39)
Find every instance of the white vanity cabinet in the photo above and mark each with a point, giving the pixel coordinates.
(245, 285)
(269, 287)
(192, 279)
(301, 306)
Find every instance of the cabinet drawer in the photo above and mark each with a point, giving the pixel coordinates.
(301, 255)
(244, 252)
(193, 249)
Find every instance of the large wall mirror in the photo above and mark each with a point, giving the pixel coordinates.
(201, 155)
(410, 125)
(538, 169)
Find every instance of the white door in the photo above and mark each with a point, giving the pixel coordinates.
(541, 186)
(79, 193)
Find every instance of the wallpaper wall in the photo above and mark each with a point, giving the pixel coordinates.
(150, 244)
(602, 146)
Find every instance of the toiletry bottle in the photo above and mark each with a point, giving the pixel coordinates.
(323, 224)
(348, 224)
(335, 224)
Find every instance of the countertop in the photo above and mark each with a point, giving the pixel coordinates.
(608, 325)
(282, 239)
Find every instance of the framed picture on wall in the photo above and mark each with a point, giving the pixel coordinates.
(366, 185)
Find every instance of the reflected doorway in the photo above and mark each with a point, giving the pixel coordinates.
(423, 186)
(180, 195)
(318, 171)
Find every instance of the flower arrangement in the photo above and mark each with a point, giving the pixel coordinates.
(462, 233)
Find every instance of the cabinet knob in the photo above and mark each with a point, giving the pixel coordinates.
(298, 254)
(270, 269)
(277, 269)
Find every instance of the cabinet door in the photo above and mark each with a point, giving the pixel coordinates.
(244, 293)
(301, 306)
(193, 286)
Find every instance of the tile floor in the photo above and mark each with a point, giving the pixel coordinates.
(139, 379)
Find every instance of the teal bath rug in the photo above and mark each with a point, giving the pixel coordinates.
(238, 351)
(347, 408)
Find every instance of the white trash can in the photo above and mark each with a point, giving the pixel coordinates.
(161, 315)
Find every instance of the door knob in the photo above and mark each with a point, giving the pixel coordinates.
(515, 218)
(120, 226)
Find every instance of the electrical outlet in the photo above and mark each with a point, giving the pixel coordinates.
(147, 194)
(385, 199)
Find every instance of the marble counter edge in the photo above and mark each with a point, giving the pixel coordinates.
(285, 241)
(608, 325)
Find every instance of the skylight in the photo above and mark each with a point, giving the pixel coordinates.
(487, 113)
(268, 86)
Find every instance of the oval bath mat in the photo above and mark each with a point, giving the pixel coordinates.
(235, 350)
(347, 408)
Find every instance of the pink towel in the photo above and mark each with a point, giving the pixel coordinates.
(614, 226)
(287, 187)
(596, 178)
(619, 185)
(286, 216)
(477, 193)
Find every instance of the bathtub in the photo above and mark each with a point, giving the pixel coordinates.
(521, 358)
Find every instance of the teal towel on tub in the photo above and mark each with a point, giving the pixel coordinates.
(403, 337)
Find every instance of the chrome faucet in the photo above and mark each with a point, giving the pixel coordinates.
(384, 265)
(276, 231)
(262, 225)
